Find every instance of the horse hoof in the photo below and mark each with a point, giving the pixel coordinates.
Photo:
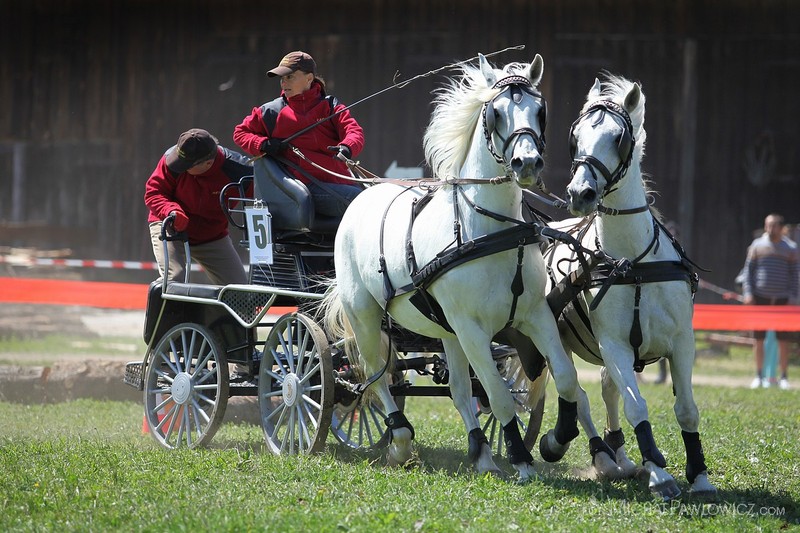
(661, 483)
(702, 488)
(627, 466)
(606, 468)
(400, 452)
(667, 490)
(484, 462)
(526, 472)
(550, 449)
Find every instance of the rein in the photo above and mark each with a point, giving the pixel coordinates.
(369, 178)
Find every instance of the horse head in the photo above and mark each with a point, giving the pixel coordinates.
(602, 142)
(514, 119)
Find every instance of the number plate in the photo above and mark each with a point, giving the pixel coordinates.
(259, 228)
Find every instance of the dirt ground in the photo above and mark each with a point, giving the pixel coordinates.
(64, 377)
(28, 321)
(68, 376)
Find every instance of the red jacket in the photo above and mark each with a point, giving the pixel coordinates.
(300, 112)
(197, 196)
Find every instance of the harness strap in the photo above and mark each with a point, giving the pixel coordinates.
(388, 290)
(485, 245)
(613, 212)
(517, 286)
(482, 246)
(652, 272)
(416, 207)
(635, 337)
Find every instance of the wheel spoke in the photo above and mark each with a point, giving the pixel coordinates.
(310, 400)
(278, 362)
(302, 426)
(186, 426)
(313, 372)
(310, 414)
(272, 394)
(352, 417)
(303, 437)
(280, 410)
(186, 356)
(165, 357)
(373, 410)
(198, 410)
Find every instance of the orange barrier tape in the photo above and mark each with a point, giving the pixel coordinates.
(63, 292)
(724, 317)
(710, 317)
(84, 293)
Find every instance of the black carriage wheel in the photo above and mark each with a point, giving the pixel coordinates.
(530, 423)
(295, 386)
(359, 422)
(186, 387)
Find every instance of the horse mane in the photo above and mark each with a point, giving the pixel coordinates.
(616, 88)
(458, 107)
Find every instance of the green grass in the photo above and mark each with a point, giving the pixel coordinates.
(45, 349)
(84, 466)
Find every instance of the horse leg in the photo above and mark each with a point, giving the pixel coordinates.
(613, 435)
(689, 420)
(479, 452)
(366, 326)
(621, 371)
(476, 345)
(573, 404)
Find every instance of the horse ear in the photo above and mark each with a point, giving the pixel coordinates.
(536, 70)
(487, 70)
(594, 92)
(632, 98)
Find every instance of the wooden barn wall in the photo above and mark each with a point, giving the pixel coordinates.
(93, 92)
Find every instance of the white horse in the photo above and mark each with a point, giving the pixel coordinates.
(643, 305)
(484, 144)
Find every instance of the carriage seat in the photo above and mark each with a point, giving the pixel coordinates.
(195, 290)
(290, 203)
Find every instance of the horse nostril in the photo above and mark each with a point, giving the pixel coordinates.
(520, 164)
(589, 196)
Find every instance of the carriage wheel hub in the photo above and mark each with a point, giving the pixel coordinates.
(181, 388)
(291, 389)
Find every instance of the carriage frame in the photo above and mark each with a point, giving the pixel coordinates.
(196, 332)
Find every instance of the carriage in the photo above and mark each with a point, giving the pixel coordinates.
(460, 266)
(208, 343)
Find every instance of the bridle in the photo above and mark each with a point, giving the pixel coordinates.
(517, 85)
(625, 146)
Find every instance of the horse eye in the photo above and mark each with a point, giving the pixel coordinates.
(573, 145)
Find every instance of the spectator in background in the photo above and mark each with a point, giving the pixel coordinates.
(771, 278)
(187, 182)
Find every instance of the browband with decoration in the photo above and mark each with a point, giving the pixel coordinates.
(512, 80)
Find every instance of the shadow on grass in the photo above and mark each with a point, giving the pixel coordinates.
(577, 481)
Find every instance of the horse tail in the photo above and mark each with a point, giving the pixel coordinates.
(338, 328)
(533, 396)
(334, 319)
(534, 389)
